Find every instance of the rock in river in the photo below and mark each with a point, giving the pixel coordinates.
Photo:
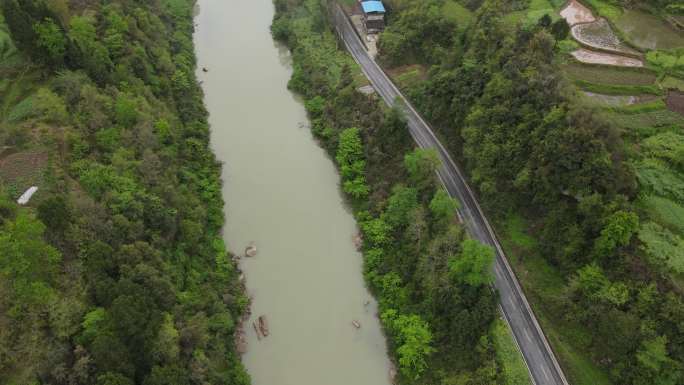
(251, 251)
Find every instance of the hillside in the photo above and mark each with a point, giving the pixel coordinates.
(115, 271)
(572, 136)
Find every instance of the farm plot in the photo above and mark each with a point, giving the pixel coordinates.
(648, 122)
(594, 57)
(22, 170)
(619, 100)
(675, 102)
(609, 75)
(648, 32)
(600, 35)
(576, 13)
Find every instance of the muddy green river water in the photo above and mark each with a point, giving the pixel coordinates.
(281, 192)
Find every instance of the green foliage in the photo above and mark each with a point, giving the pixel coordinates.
(669, 213)
(421, 32)
(459, 14)
(609, 75)
(514, 369)
(110, 378)
(145, 292)
(664, 249)
(618, 89)
(422, 165)
(656, 178)
(473, 265)
(605, 8)
(567, 46)
(443, 207)
(377, 231)
(352, 164)
(656, 366)
(668, 146)
(666, 62)
(616, 233)
(89, 51)
(125, 110)
(27, 261)
(51, 39)
(400, 206)
(414, 337)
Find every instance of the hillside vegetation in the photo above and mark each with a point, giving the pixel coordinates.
(585, 195)
(116, 272)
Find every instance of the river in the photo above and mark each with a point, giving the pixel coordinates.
(282, 194)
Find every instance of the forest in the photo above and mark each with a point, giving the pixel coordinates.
(115, 272)
(581, 191)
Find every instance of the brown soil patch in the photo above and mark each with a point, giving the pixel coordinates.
(23, 165)
(576, 13)
(594, 57)
(675, 102)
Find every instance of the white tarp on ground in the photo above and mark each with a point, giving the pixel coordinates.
(26, 196)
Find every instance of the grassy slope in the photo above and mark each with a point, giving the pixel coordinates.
(543, 284)
(507, 354)
(535, 11)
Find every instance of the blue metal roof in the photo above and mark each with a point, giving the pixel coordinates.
(373, 6)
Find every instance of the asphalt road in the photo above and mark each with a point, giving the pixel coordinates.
(540, 360)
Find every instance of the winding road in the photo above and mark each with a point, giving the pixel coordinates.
(540, 359)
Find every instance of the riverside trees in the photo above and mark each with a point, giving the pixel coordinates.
(437, 317)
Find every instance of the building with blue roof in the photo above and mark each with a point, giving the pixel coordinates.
(373, 15)
(372, 6)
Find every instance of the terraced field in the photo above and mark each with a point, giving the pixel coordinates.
(651, 125)
(648, 32)
(609, 75)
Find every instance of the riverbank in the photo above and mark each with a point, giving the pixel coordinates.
(437, 321)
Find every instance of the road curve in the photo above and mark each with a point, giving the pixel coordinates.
(541, 362)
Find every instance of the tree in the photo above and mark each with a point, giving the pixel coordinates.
(443, 207)
(415, 338)
(26, 260)
(112, 378)
(473, 265)
(352, 164)
(51, 39)
(166, 347)
(421, 165)
(89, 52)
(617, 232)
(376, 231)
(657, 368)
(54, 213)
(400, 205)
